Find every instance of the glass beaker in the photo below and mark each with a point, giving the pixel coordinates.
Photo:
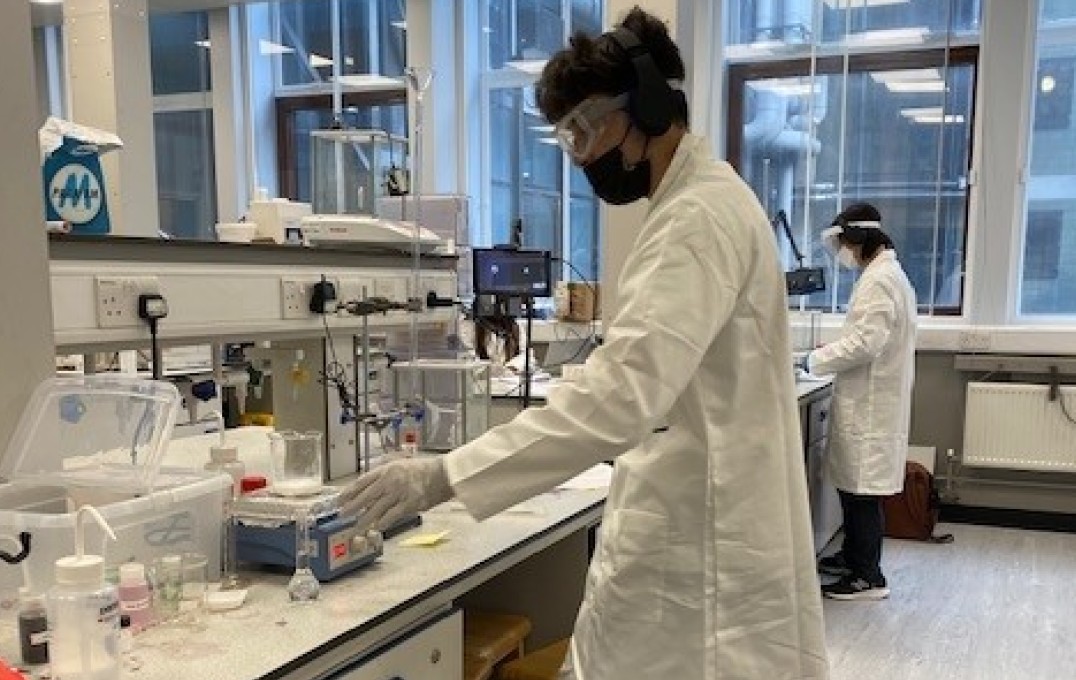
(295, 463)
(195, 584)
(167, 581)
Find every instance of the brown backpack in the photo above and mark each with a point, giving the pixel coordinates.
(913, 512)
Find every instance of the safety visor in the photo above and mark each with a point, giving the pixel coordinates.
(580, 129)
(830, 235)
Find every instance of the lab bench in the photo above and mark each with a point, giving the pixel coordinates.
(399, 618)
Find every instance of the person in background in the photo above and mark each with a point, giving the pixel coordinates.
(705, 568)
(874, 364)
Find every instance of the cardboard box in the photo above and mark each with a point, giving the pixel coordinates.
(578, 301)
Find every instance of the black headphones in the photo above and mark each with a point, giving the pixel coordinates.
(650, 102)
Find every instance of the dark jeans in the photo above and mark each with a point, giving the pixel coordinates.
(864, 526)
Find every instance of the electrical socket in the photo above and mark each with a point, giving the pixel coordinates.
(295, 294)
(976, 341)
(117, 299)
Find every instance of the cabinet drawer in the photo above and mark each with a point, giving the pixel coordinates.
(431, 653)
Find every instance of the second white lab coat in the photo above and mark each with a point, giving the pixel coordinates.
(874, 365)
(705, 566)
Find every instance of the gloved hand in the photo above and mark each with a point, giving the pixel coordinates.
(396, 490)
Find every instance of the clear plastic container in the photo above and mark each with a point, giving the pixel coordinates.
(295, 459)
(93, 431)
(99, 440)
(455, 400)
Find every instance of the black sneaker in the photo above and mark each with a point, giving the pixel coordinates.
(856, 589)
(834, 565)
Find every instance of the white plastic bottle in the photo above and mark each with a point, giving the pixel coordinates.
(224, 458)
(84, 613)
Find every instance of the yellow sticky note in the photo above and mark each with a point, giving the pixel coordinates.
(424, 540)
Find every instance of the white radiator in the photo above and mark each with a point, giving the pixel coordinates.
(1016, 426)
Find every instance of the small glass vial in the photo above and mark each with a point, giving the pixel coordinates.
(33, 628)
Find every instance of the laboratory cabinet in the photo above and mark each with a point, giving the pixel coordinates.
(826, 516)
(433, 652)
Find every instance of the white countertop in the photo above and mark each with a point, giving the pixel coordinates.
(272, 637)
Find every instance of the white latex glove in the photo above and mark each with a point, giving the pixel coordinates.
(396, 490)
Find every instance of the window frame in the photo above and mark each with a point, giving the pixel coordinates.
(492, 79)
(739, 74)
(287, 105)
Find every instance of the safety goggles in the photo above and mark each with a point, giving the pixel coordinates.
(831, 235)
(582, 127)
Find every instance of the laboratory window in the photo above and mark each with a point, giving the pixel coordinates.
(1048, 267)
(183, 124)
(372, 54)
(527, 176)
(864, 109)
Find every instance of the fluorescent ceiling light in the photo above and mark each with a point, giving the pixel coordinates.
(948, 119)
(890, 36)
(552, 141)
(402, 25)
(270, 47)
(369, 81)
(862, 4)
(531, 66)
(46, 2)
(924, 86)
(349, 61)
(202, 43)
(1047, 84)
(906, 76)
(318, 61)
(921, 111)
(543, 129)
(792, 87)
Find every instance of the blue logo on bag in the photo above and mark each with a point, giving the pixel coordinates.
(75, 194)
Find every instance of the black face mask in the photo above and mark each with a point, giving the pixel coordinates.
(615, 183)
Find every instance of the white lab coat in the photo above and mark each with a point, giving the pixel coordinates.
(705, 567)
(874, 364)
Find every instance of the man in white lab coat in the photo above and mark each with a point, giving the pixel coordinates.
(874, 364)
(705, 567)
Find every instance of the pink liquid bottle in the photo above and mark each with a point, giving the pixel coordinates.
(135, 596)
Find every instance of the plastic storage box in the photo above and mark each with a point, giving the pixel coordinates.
(454, 394)
(99, 440)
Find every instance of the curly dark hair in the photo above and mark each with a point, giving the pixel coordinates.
(590, 66)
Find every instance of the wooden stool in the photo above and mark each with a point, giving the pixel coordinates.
(540, 665)
(489, 639)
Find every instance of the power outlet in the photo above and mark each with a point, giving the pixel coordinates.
(976, 341)
(295, 294)
(117, 299)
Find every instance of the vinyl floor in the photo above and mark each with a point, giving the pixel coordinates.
(997, 604)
